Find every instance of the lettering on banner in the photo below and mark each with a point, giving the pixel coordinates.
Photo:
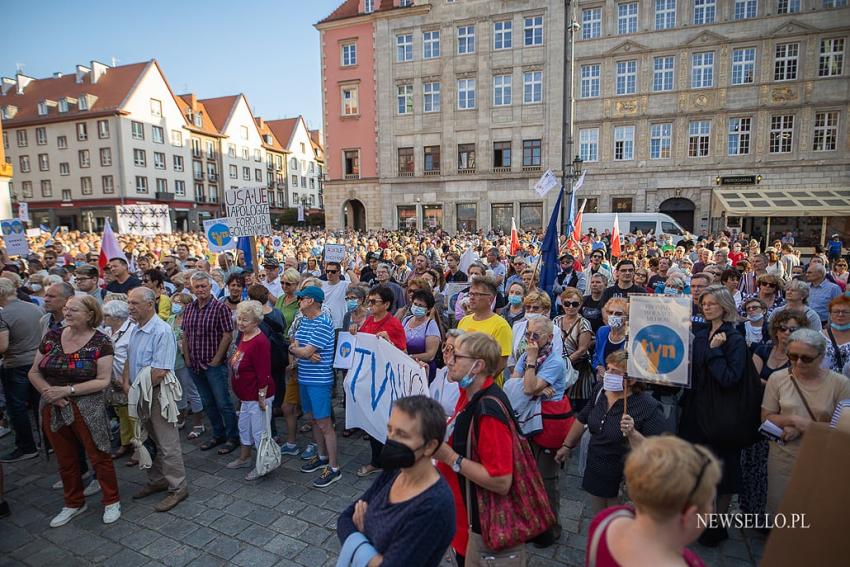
(248, 211)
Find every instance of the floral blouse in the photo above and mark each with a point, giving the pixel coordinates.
(61, 369)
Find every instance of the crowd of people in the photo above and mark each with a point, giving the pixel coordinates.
(118, 362)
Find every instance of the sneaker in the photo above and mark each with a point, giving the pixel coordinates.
(328, 477)
(239, 464)
(111, 513)
(287, 449)
(92, 489)
(66, 515)
(58, 485)
(18, 455)
(311, 451)
(314, 464)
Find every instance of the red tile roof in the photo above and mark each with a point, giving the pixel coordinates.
(264, 129)
(350, 9)
(185, 104)
(283, 129)
(219, 109)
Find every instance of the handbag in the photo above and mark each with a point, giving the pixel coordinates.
(558, 418)
(268, 452)
(524, 512)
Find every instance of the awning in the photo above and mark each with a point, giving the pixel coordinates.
(756, 202)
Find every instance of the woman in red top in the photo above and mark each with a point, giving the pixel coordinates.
(488, 465)
(252, 382)
(383, 325)
(670, 482)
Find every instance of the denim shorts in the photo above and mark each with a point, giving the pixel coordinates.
(316, 400)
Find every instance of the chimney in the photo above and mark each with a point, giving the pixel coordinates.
(22, 82)
(82, 71)
(193, 102)
(260, 123)
(98, 70)
(57, 75)
(6, 85)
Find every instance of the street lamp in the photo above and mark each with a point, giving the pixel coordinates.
(567, 127)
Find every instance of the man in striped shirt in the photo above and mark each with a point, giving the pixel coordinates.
(313, 346)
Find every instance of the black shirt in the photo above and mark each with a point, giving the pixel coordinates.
(114, 287)
(458, 276)
(617, 291)
(592, 311)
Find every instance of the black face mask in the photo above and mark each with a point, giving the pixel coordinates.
(395, 455)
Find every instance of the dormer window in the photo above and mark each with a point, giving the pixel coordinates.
(368, 6)
(83, 103)
(198, 120)
(63, 105)
(42, 109)
(5, 111)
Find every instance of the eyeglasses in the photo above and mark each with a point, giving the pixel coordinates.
(833, 312)
(331, 271)
(571, 303)
(456, 355)
(705, 462)
(794, 357)
(787, 329)
(532, 336)
(375, 301)
(767, 284)
(479, 294)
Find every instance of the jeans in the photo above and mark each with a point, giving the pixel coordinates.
(19, 393)
(215, 394)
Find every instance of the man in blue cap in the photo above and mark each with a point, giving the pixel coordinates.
(313, 347)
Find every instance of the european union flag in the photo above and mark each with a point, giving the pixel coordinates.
(550, 250)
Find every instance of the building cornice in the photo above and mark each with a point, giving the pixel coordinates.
(398, 12)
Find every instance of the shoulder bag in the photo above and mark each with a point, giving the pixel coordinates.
(268, 452)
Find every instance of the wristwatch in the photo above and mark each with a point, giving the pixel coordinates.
(456, 464)
(531, 366)
(73, 392)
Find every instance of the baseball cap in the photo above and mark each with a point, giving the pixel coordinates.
(271, 262)
(312, 292)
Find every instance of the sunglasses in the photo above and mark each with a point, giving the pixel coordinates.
(331, 271)
(532, 335)
(793, 357)
(787, 329)
(571, 303)
(767, 284)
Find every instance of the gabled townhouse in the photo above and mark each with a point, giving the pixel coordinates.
(304, 173)
(275, 169)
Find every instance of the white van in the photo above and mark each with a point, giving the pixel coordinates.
(655, 223)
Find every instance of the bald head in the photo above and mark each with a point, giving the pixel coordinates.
(142, 304)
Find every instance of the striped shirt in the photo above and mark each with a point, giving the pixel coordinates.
(203, 328)
(318, 332)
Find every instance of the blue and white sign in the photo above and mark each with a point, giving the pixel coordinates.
(277, 243)
(15, 237)
(659, 346)
(345, 344)
(379, 374)
(218, 235)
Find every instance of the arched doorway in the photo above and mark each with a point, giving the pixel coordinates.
(682, 211)
(354, 215)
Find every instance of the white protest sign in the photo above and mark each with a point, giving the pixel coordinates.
(379, 374)
(143, 219)
(467, 259)
(452, 288)
(546, 183)
(659, 346)
(345, 344)
(277, 243)
(300, 213)
(14, 237)
(334, 252)
(248, 211)
(24, 212)
(218, 235)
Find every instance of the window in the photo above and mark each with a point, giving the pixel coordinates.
(467, 217)
(139, 158)
(826, 131)
(503, 34)
(404, 48)
(246, 153)
(156, 108)
(533, 31)
(349, 54)
(431, 97)
(64, 168)
(662, 78)
(704, 11)
(141, 184)
(200, 194)
(66, 195)
(432, 216)
(26, 188)
(531, 216)
(42, 109)
(465, 94)
(83, 103)
(430, 44)
(24, 162)
(178, 163)
(834, 3)
(532, 87)
(210, 150)
(738, 136)
(626, 77)
(589, 81)
(501, 215)
(295, 181)
(466, 156)
(591, 23)
(702, 70)
(233, 171)
(82, 132)
(743, 65)
(588, 140)
(831, 61)
(349, 101)
(660, 141)
(787, 6)
(745, 9)
(624, 143)
(781, 133)
(85, 185)
(665, 14)
(621, 205)
(177, 138)
(107, 184)
(63, 105)
(406, 162)
(502, 90)
(161, 185)
(531, 151)
(198, 120)
(627, 17)
(243, 132)
(46, 188)
(105, 157)
(246, 173)
(84, 157)
(303, 181)
(368, 6)
(431, 159)
(406, 217)
(180, 188)
(22, 137)
(351, 159)
(138, 130)
(465, 40)
(786, 61)
(41, 136)
(103, 129)
(404, 99)
(158, 160)
(62, 142)
(502, 154)
(699, 136)
(157, 135)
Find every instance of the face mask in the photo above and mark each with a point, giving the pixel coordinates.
(756, 317)
(530, 316)
(35, 287)
(671, 291)
(79, 263)
(176, 309)
(351, 304)
(466, 381)
(395, 455)
(515, 299)
(418, 311)
(612, 382)
(615, 321)
(837, 327)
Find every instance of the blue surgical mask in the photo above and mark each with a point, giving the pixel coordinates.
(612, 382)
(466, 381)
(176, 308)
(515, 299)
(418, 311)
(756, 317)
(351, 304)
(837, 327)
(671, 291)
(79, 263)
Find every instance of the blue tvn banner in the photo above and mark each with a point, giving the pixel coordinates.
(659, 349)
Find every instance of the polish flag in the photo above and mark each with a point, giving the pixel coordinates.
(109, 247)
(615, 238)
(577, 222)
(514, 238)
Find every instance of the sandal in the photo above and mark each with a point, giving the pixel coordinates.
(214, 442)
(120, 452)
(306, 428)
(228, 447)
(367, 470)
(196, 432)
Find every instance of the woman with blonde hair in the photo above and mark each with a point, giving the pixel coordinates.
(577, 336)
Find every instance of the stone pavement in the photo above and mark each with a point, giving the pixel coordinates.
(279, 520)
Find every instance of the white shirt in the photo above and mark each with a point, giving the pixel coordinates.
(275, 287)
(335, 300)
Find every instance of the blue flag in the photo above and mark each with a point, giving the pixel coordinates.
(550, 250)
(244, 245)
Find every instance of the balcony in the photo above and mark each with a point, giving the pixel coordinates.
(431, 172)
(212, 176)
(466, 171)
(164, 196)
(405, 174)
(502, 169)
(352, 176)
(201, 198)
(530, 168)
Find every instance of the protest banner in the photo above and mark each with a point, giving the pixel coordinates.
(453, 288)
(345, 344)
(218, 235)
(248, 211)
(14, 237)
(277, 243)
(334, 252)
(24, 212)
(143, 219)
(379, 374)
(659, 346)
